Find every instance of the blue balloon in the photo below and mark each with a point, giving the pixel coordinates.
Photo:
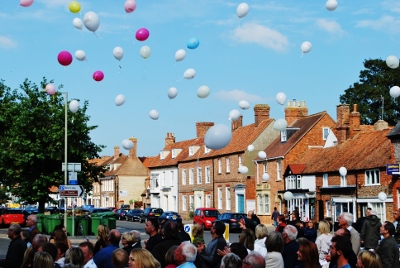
(193, 43)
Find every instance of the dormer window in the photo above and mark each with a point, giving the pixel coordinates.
(173, 155)
(191, 151)
(162, 156)
(325, 133)
(283, 136)
(206, 150)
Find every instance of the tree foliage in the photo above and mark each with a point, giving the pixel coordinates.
(32, 142)
(371, 93)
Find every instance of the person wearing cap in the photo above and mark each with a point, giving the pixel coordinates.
(370, 231)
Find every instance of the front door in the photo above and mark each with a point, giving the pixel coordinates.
(240, 203)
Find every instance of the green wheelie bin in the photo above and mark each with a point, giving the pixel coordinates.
(53, 221)
(96, 220)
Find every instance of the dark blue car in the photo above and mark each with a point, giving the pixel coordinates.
(169, 215)
(134, 215)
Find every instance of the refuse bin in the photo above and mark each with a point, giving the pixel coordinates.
(110, 221)
(53, 221)
(82, 224)
(96, 220)
(39, 224)
(69, 226)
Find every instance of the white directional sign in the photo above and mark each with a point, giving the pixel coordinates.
(71, 190)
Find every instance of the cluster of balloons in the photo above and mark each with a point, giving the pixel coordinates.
(331, 5)
(242, 10)
(217, 137)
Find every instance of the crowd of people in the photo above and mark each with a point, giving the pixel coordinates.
(293, 244)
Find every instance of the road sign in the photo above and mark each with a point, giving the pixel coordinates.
(71, 190)
(76, 167)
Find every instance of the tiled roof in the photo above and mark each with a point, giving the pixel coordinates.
(369, 149)
(297, 168)
(276, 148)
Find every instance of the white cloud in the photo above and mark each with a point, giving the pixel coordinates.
(6, 42)
(261, 35)
(387, 23)
(237, 95)
(392, 6)
(330, 26)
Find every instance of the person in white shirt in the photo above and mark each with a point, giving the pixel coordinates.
(87, 248)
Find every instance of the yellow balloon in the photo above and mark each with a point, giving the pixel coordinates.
(74, 7)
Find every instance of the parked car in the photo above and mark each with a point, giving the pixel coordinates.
(205, 216)
(151, 213)
(233, 219)
(134, 215)
(121, 213)
(54, 210)
(169, 215)
(12, 215)
(30, 210)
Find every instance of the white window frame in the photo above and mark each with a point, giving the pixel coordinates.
(228, 165)
(290, 182)
(184, 174)
(265, 166)
(191, 203)
(219, 198)
(191, 176)
(228, 198)
(208, 174)
(172, 182)
(267, 202)
(325, 133)
(283, 135)
(260, 203)
(208, 201)
(199, 175)
(184, 203)
(343, 181)
(191, 150)
(278, 170)
(219, 166)
(325, 178)
(173, 153)
(298, 182)
(372, 177)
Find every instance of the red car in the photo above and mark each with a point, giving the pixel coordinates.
(205, 216)
(11, 216)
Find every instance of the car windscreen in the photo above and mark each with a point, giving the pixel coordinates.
(11, 211)
(225, 216)
(211, 213)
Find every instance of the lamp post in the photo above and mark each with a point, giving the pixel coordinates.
(65, 153)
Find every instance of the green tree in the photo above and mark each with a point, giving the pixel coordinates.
(32, 142)
(371, 93)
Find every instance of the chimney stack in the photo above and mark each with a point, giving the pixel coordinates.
(261, 113)
(202, 127)
(295, 111)
(116, 152)
(170, 139)
(237, 123)
(343, 122)
(355, 121)
(132, 152)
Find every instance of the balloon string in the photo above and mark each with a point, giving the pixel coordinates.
(179, 79)
(97, 35)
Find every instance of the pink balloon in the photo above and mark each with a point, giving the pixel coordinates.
(98, 76)
(142, 34)
(64, 58)
(26, 3)
(130, 6)
(50, 89)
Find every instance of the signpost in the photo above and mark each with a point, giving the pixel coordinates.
(71, 190)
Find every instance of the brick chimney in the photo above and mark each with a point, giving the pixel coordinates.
(133, 151)
(343, 122)
(355, 120)
(116, 152)
(237, 123)
(202, 127)
(295, 111)
(261, 113)
(170, 139)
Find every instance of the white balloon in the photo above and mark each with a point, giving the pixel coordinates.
(242, 10)
(243, 169)
(119, 100)
(91, 21)
(74, 106)
(250, 148)
(382, 196)
(244, 104)
(392, 62)
(234, 115)
(77, 22)
(189, 73)
(145, 52)
(306, 47)
(281, 98)
(343, 171)
(288, 196)
(172, 92)
(217, 137)
(394, 91)
(118, 53)
(331, 5)
(266, 177)
(203, 92)
(180, 54)
(80, 55)
(262, 154)
(127, 144)
(280, 124)
(154, 114)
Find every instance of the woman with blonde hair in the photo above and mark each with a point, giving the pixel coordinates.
(261, 237)
(142, 258)
(323, 242)
(102, 238)
(198, 234)
(43, 260)
(368, 259)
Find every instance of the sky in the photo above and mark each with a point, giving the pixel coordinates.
(252, 58)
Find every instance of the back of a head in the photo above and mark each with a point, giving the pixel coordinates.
(239, 249)
(348, 217)
(291, 232)
(38, 241)
(231, 260)
(189, 250)
(370, 259)
(219, 227)
(119, 258)
(43, 260)
(275, 242)
(16, 228)
(75, 256)
(324, 227)
(247, 238)
(155, 223)
(51, 249)
(261, 231)
(343, 243)
(115, 237)
(309, 252)
(143, 258)
(170, 230)
(254, 260)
